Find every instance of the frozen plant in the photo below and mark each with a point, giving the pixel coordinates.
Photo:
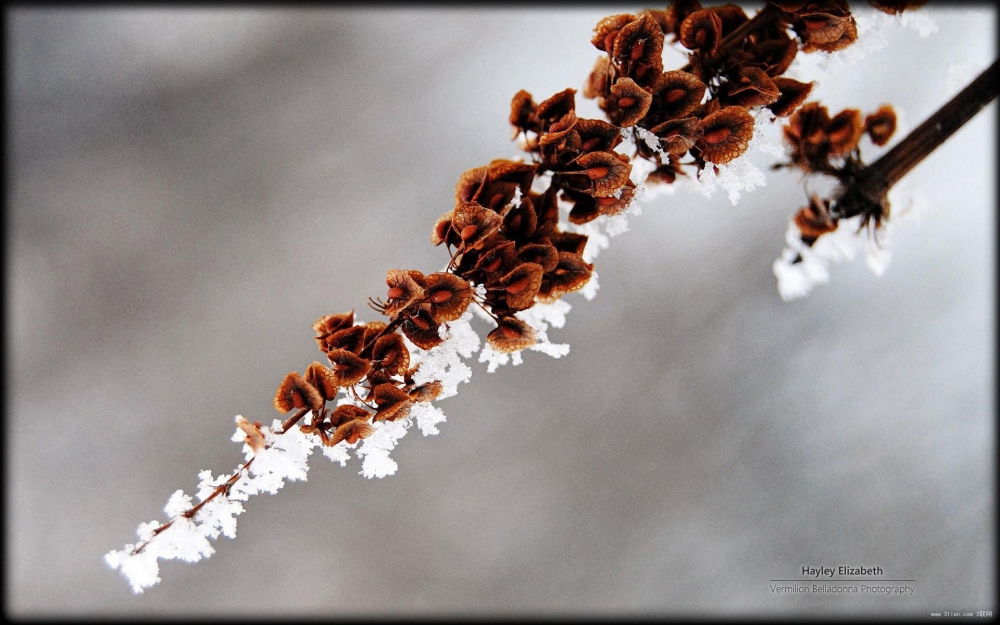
(525, 232)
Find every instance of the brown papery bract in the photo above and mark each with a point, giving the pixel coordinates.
(391, 355)
(347, 413)
(599, 80)
(294, 393)
(677, 136)
(558, 105)
(844, 131)
(607, 173)
(348, 368)
(521, 285)
(351, 339)
(754, 88)
(638, 49)
(351, 432)
(511, 335)
(523, 115)
(421, 328)
(322, 379)
(881, 125)
(468, 184)
(520, 222)
(792, 94)
(676, 94)
(814, 220)
(403, 291)
(558, 130)
(571, 274)
(702, 31)
(448, 295)
(473, 223)
(425, 392)
(616, 205)
(607, 29)
(627, 103)
(328, 324)
(544, 254)
(393, 403)
(725, 134)
(597, 135)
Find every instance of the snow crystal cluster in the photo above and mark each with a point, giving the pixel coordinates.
(800, 267)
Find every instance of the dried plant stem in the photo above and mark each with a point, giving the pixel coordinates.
(221, 488)
(865, 191)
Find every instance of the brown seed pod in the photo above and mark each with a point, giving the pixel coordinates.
(558, 105)
(814, 220)
(675, 94)
(393, 403)
(522, 113)
(571, 274)
(702, 31)
(584, 206)
(599, 79)
(497, 260)
(443, 232)
(425, 392)
(616, 205)
(558, 130)
(547, 209)
(627, 103)
(731, 17)
(847, 37)
(572, 242)
(255, 438)
(881, 124)
(322, 379)
(520, 222)
(677, 136)
(511, 335)
(507, 170)
(790, 6)
(351, 432)
(391, 354)
(351, 339)
(403, 291)
(469, 184)
(844, 131)
(328, 324)
(544, 254)
(754, 88)
(776, 55)
(607, 29)
(676, 13)
(473, 223)
(793, 94)
(448, 295)
(725, 134)
(638, 49)
(597, 135)
(294, 393)
(347, 413)
(895, 7)
(421, 328)
(521, 285)
(372, 329)
(605, 171)
(348, 368)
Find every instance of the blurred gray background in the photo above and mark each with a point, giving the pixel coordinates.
(190, 190)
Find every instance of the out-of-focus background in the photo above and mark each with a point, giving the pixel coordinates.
(190, 189)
